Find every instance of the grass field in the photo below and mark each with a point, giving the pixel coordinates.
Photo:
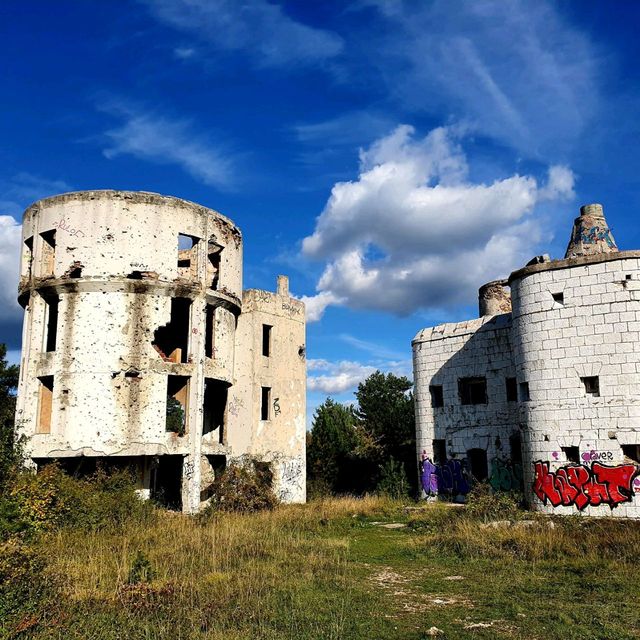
(331, 570)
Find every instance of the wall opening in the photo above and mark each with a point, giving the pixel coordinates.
(591, 385)
(511, 385)
(29, 255)
(478, 464)
(437, 395)
(572, 454)
(166, 481)
(515, 446)
(558, 298)
(473, 390)
(265, 402)
(177, 404)
(210, 331)
(187, 256)
(631, 451)
(266, 339)
(217, 465)
(45, 403)
(51, 328)
(214, 408)
(525, 396)
(439, 451)
(214, 254)
(171, 340)
(48, 252)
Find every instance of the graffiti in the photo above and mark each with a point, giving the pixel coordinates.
(276, 406)
(188, 470)
(139, 265)
(235, 406)
(596, 234)
(587, 456)
(290, 308)
(450, 478)
(61, 224)
(580, 486)
(555, 455)
(506, 476)
(291, 479)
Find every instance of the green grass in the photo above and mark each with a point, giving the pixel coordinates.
(326, 571)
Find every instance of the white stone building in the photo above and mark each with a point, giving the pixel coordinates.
(141, 348)
(546, 395)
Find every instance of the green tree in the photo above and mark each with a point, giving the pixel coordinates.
(9, 451)
(330, 444)
(386, 413)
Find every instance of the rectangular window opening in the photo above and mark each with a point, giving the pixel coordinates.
(437, 395)
(439, 451)
(45, 403)
(627, 276)
(572, 454)
(51, 334)
(171, 340)
(187, 254)
(631, 451)
(525, 396)
(29, 255)
(215, 405)
(266, 340)
(177, 404)
(515, 447)
(214, 254)
(558, 298)
(210, 332)
(473, 390)
(591, 385)
(48, 252)
(265, 402)
(512, 389)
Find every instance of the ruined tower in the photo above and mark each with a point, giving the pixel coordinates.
(140, 347)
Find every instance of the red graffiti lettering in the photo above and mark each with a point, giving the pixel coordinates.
(580, 486)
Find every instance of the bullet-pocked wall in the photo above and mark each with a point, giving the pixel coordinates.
(131, 306)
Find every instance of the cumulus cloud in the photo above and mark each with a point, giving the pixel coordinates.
(338, 377)
(517, 70)
(163, 140)
(10, 244)
(413, 232)
(258, 27)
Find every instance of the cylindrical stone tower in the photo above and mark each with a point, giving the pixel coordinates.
(131, 302)
(576, 343)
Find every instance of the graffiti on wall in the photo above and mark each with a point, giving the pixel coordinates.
(597, 234)
(506, 476)
(450, 478)
(581, 485)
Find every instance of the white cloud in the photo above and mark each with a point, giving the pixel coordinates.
(340, 377)
(516, 70)
(258, 27)
(315, 305)
(149, 136)
(10, 245)
(413, 232)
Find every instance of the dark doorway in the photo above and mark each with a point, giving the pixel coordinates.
(478, 464)
(215, 404)
(166, 482)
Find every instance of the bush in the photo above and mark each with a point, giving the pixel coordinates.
(483, 503)
(393, 480)
(243, 487)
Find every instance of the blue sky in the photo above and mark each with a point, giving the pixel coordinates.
(389, 156)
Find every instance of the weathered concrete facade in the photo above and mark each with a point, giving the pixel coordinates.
(546, 397)
(140, 345)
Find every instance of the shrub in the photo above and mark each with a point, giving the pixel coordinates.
(483, 503)
(141, 569)
(244, 486)
(393, 480)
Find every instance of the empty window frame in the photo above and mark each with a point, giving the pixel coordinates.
(214, 255)
(265, 402)
(591, 385)
(525, 396)
(48, 252)
(210, 331)
(45, 403)
(511, 386)
(631, 451)
(572, 454)
(29, 255)
(171, 340)
(51, 319)
(439, 451)
(187, 256)
(473, 390)
(558, 298)
(215, 405)
(437, 395)
(266, 339)
(177, 404)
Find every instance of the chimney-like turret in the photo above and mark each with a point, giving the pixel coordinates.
(283, 286)
(494, 298)
(591, 234)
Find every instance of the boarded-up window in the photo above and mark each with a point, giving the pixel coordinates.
(177, 404)
(215, 404)
(51, 330)
(48, 252)
(265, 401)
(45, 403)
